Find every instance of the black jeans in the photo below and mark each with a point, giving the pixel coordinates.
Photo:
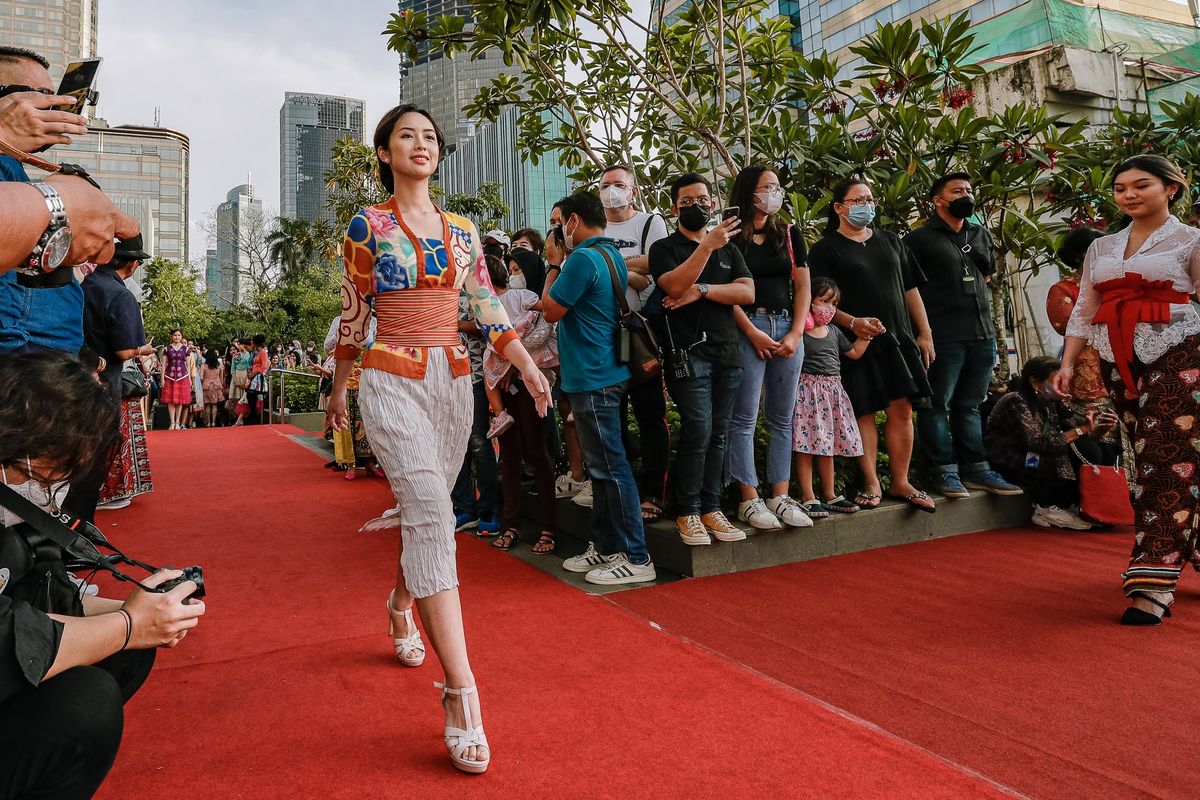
(525, 443)
(649, 403)
(705, 404)
(60, 739)
(480, 455)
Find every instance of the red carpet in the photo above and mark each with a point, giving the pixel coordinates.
(998, 651)
(288, 689)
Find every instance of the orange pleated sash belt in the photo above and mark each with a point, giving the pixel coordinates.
(417, 318)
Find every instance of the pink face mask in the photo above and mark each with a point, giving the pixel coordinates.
(823, 315)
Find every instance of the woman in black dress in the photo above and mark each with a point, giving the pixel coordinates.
(880, 301)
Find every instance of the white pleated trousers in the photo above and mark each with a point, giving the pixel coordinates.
(418, 430)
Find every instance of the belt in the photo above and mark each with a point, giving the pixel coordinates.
(418, 318)
(782, 312)
(1126, 301)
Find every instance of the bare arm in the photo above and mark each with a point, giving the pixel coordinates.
(552, 310)
(677, 282)
(916, 310)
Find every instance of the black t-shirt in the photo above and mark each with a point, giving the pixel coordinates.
(703, 318)
(872, 276)
(771, 267)
(956, 296)
(112, 321)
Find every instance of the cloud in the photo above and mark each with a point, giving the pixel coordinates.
(218, 70)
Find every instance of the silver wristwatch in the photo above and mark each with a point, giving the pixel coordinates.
(51, 249)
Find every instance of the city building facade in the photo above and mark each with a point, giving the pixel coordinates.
(309, 125)
(239, 220)
(61, 30)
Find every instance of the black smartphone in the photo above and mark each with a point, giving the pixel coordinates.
(77, 82)
(729, 212)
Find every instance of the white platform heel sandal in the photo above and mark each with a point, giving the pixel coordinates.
(410, 649)
(459, 740)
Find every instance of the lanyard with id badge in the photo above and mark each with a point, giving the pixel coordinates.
(968, 273)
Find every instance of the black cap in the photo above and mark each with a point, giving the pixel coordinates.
(130, 249)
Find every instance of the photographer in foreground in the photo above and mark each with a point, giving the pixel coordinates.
(64, 676)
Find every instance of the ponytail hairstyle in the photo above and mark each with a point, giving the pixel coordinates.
(840, 190)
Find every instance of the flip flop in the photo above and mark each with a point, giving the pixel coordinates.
(506, 540)
(914, 501)
(651, 511)
(867, 501)
(545, 544)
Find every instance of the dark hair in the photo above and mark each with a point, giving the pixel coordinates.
(535, 239)
(821, 285)
(11, 55)
(1164, 169)
(742, 196)
(88, 358)
(618, 165)
(259, 340)
(839, 192)
(51, 408)
(383, 134)
(1038, 368)
(1074, 246)
(212, 359)
(587, 206)
(244, 341)
(497, 272)
(687, 179)
(532, 267)
(175, 331)
(940, 183)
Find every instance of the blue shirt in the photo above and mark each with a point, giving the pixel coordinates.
(112, 320)
(38, 318)
(587, 335)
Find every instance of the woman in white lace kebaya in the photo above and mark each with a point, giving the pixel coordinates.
(1135, 308)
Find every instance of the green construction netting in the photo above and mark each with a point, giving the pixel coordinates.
(1172, 92)
(1048, 23)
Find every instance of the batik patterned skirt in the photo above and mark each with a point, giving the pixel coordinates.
(351, 446)
(129, 474)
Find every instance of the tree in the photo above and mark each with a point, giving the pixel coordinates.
(171, 300)
(486, 208)
(352, 182)
(291, 245)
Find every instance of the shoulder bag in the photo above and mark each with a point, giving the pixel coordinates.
(637, 347)
(1103, 492)
(133, 384)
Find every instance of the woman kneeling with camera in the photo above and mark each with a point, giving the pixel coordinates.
(1037, 442)
(66, 664)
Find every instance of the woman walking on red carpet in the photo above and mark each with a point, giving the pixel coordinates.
(406, 261)
(1134, 308)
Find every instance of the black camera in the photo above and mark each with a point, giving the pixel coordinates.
(189, 574)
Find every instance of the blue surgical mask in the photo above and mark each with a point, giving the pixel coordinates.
(861, 216)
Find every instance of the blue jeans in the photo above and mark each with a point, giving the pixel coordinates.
(50, 319)
(616, 506)
(705, 404)
(779, 377)
(951, 429)
(481, 454)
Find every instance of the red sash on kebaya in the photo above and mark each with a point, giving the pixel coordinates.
(1126, 301)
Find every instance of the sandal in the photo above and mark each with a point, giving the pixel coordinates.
(917, 499)
(1135, 616)
(545, 544)
(506, 540)
(459, 739)
(651, 510)
(867, 501)
(410, 650)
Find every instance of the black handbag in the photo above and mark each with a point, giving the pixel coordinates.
(133, 384)
(637, 347)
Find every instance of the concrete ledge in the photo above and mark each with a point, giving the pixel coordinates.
(891, 524)
(312, 421)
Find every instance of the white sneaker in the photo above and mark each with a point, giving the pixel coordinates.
(692, 530)
(113, 505)
(620, 570)
(588, 560)
(755, 512)
(583, 498)
(566, 486)
(790, 512)
(1055, 517)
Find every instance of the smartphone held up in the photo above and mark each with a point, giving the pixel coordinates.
(78, 82)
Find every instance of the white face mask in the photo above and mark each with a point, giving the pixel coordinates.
(516, 282)
(32, 490)
(769, 202)
(568, 237)
(615, 196)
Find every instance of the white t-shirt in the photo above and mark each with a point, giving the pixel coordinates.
(627, 236)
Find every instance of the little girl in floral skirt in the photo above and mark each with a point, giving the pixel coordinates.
(824, 424)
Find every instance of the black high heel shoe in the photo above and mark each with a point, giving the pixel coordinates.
(1135, 616)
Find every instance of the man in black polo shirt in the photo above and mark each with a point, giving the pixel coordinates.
(957, 257)
(701, 277)
(112, 328)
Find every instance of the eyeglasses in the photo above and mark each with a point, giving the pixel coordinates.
(703, 202)
(859, 201)
(13, 88)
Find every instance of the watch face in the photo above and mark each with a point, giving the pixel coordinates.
(55, 252)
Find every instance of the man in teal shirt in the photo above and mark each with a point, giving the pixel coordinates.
(582, 301)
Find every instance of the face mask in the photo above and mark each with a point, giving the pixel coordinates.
(615, 197)
(823, 315)
(569, 237)
(769, 202)
(861, 216)
(961, 207)
(33, 491)
(694, 218)
(516, 282)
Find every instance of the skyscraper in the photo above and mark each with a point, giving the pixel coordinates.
(309, 125)
(239, 223)
(61, 30)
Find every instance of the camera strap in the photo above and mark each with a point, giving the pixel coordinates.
(44, 165)
(78, 538)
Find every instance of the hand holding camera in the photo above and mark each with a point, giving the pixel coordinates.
(161, 619)
(719, 236)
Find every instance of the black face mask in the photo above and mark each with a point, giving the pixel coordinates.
(961, 207)
(694, 218)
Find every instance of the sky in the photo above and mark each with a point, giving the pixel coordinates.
(217, 71)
